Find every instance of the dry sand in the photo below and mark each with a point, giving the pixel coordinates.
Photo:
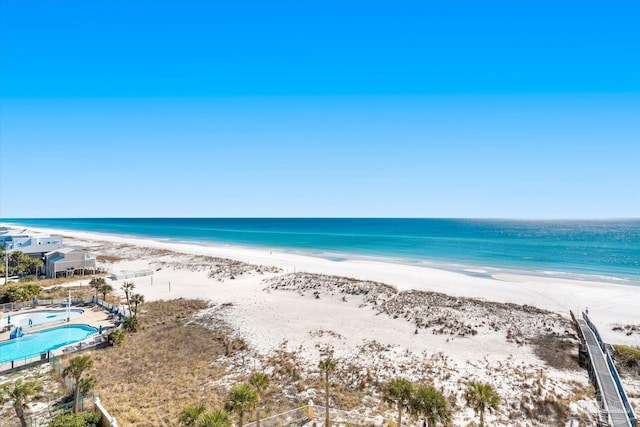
(307, 314)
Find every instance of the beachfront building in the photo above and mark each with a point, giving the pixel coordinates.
(35, 246)
(68, 261)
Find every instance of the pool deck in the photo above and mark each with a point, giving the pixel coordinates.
(93, 315)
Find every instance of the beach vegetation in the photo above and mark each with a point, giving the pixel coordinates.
(430, 404)
(51, 289)
(260, 382)
(215, 418)
(77, 366)
(81, 419)
(242, 398)
(19, 292)
(19, 264)
(105, 289)
(116, 337)
(109, 258)
(137, 300)
(127, 288)
(327, 366)
(190, 414)
(161, 360)
(399, 392)
(481, 397)
(131, 324)
(96, 282)
(87, 385)
(19, 393)
(628, 356)
(198, 416)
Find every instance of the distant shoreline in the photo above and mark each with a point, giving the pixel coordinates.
(611, 303)
(469, 269)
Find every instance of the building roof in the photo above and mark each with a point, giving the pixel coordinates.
(67, 250)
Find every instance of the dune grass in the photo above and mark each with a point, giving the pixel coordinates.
(628, 358)
(162, 368)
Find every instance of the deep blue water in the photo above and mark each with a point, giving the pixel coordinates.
(601, 247)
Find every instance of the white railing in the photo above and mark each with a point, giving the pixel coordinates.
(105, 415)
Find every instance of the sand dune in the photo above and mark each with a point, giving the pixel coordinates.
(390, 318)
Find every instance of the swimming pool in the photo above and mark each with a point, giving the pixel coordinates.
(31, 345)
(40, 317)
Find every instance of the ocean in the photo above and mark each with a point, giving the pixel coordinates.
(608, 249)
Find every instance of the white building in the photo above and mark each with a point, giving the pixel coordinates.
(68, 261)
(36, 246)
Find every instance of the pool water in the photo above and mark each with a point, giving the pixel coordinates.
(41, 317)
(31, 345)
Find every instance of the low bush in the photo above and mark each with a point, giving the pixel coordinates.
(82, 419)
(17, 293)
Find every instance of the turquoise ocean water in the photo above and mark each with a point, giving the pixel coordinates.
(609, 249)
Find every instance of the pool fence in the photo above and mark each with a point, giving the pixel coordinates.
(57, 366)
(15, 306)
(38, 359)
(27, 362)
(44, 416)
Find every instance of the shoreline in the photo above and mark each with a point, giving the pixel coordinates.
(432, 324)
(472, 270)
(609, 303)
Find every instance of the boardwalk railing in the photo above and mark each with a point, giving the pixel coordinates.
(614, 373)
(625, 399)
(616, 410)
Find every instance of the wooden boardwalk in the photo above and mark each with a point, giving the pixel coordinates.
(615, 412)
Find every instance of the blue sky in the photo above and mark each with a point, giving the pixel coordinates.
(319, 108)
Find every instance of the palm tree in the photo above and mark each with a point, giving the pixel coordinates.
(432, 404)
(327, 366)
(481, 397)
(96, 282)
(399, 391)
(190, 414)
(260, 382)
(87, 385)
(76, 368)
(104, 290)
(242, 398)
(19, 392)
(215, 418)
(136, 299)
(127, 287)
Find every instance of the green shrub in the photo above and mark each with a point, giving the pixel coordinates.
(17, 293)
(116, 337)
(131, 324)
(628, 356)
(82, 419)
(629, 353)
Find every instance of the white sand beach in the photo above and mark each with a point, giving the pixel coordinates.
(607, 303)
(305, 315)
